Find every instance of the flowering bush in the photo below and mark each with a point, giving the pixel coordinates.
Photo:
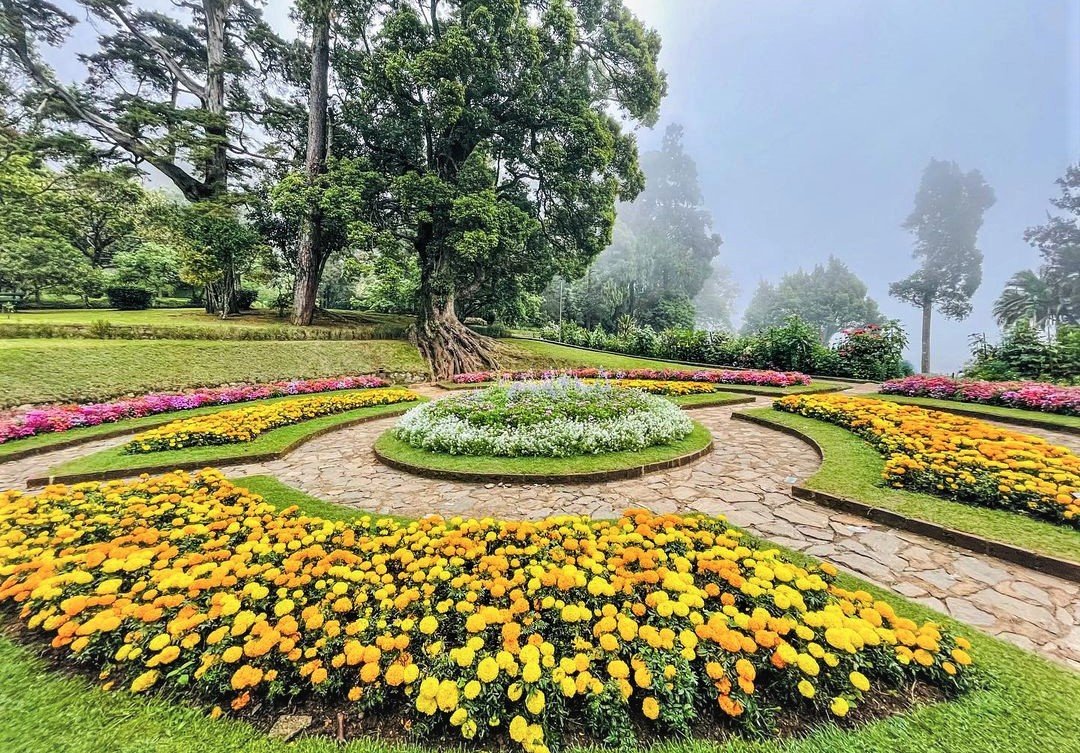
(21, 423)
(721, 376)
(957, 457)
(468, 627)
(1039, 396)
(247, 423)
(554, 418)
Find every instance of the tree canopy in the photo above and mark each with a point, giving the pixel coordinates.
(945, 221)
(830, 298)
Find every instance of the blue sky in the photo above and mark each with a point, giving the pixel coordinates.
(811, 123)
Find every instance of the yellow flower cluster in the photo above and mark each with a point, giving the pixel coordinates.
(953, 456)
(659, 386)
(475, 626)
(247, 423)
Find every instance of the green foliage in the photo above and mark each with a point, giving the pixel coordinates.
(830, 297)
(948, 213)
(872, 352)
(129, 297)
(661, 252)
(245, 297)
(152, 265)
(1025, 353)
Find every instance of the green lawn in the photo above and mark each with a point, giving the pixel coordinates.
(113, 460)
(44, 370)
(991, 412)
(852, 468)
(172, 317)
(395, 449)
(1025, 705)
(708, 399)
(282, 495)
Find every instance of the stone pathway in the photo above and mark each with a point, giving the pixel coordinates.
(747, 478)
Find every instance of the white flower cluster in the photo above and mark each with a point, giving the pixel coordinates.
(464, 425)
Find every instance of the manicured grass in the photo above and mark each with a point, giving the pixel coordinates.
(707, 399)
(395, 449)
(45, 370)
(194, 316)
(282, 495)
(991, 412)
(113, 459)
(852, 468)
(1026, 705)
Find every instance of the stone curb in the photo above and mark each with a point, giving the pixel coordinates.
(75, 478)
(1061, 568)
(1034, 423)
(535, 478)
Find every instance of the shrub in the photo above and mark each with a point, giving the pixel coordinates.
(540, 631)
(1025, 354)
(864, 353)
(129, 297)
(955, 457)
(245, 297)
(748, 376)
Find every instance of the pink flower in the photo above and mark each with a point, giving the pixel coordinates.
(45, 419)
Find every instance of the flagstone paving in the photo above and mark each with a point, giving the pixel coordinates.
(746, 478)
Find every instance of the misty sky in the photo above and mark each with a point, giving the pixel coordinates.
(811, 123)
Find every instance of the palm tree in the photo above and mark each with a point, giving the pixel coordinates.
(1027, 297)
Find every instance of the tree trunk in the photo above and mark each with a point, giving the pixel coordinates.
(311, 255)
(448, 345)
(927, 311)
(221, 295)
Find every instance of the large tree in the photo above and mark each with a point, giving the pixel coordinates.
(1058, 242)
(830, 297)
(173, 91)
(663, 244)
(948, 213)
(494, 128)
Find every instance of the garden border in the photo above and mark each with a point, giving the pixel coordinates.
(1061, 568)
(684, 363)
(742, 389)
(620, 474)
(75, 478)
(1031, 423)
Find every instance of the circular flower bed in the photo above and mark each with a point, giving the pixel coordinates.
(473, 629)
(559, 418)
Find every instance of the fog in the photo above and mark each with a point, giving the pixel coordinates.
(811, 123)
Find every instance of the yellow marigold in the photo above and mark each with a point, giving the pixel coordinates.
(650, 707)
(487, 670)
(447, 696)
(246, 676)
(806, 689)
(428, 625)
(617, 668)
(535, 701)
(839, 706)
(859, 680)
(144, 681)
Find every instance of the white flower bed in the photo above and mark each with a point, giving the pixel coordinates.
(559, 418)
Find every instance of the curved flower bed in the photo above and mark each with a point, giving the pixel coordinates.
(559, 418)
(29, 422)
(245, 424)
(658, 386)
(1037, 396)
(472, 628)
(956, 457)
(717, 376)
